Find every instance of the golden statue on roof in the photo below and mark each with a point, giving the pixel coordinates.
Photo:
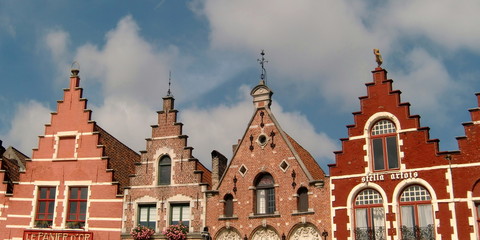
(378, 56)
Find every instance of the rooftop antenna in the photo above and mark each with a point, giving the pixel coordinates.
(262, 61)
(169, 93)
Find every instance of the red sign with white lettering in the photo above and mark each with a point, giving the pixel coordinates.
(56, 235)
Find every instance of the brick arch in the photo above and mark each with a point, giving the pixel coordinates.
(228, 233)
(304, 231)
(266, 232)
(476, 189)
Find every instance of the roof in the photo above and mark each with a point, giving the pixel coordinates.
(120, 157)
(312, 166)
(13, 162)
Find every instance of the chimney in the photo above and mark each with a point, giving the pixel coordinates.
(2, 149)
(219, 164)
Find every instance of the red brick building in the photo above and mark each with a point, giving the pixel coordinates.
(73, 184)
(169, 184)
(272, 188)
(390, 181)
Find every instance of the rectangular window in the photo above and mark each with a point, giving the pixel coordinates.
(180, 214)
(378, 161)
(77, 207)
(392, 152)
(147, 215)
(45, 207)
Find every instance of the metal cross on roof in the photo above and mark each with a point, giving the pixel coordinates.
(169, 93)
(262, 61)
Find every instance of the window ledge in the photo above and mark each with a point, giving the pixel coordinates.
(264, 216)
(302, 213)
(234, 217)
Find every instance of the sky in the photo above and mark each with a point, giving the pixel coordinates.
(319, 57)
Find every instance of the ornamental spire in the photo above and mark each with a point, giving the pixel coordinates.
(262, 61)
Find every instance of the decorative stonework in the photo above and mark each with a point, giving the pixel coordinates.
(228, 234)
(304, 233)
(265, 234)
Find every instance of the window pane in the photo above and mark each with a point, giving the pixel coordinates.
(228, 211)
(43, 193)
(378, 162)
(164, 175)
(378, 216)
(271, 200)
(83, 207)
(261, 201)
(74, 193)
(176, 213)
(42, 207)
(51, 206)
(185, 213)
(73, 207)
(361, 220)
(408, 217)
(392, 152)
(52, 193)
(425, 216)
(143, 214)
(303, 200)
(152, 213)
(83, 193)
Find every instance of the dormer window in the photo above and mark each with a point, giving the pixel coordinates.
(384, 145)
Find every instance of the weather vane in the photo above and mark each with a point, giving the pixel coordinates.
(378, 57)
(262, 61)
(169, 93)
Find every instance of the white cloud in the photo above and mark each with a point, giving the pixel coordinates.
(219, 127)
(26, 125)
(452, 24)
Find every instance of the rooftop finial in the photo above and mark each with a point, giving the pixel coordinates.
(75, 69)
(169, 93)
(378, 57)
(262, 61)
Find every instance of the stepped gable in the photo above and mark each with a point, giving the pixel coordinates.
(469, 143)
(168, 127)
(382, 101)
(71, 128)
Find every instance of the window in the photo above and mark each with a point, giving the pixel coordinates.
(228, 210)
(265, 195)
(302, 201)
(45, 207)
(384, 145)
(77, 207)
(164, 167)
(147, 215)
(369, 215)
(416, 213)
(180, 214)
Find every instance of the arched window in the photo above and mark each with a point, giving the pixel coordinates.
(164, 169)
(302, 201)
(228, 207)
(369, 215)
(416, 213)
(384, 145)
(265, 194)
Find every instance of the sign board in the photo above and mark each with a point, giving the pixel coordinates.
(56, 235)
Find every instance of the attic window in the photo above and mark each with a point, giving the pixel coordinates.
(284, 165)
(262, 140)
(243, 170)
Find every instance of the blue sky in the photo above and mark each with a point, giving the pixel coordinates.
(319, 53)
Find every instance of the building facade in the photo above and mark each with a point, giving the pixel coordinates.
(169, 184)
(72, 187)
(272, 188)
(390, 181)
